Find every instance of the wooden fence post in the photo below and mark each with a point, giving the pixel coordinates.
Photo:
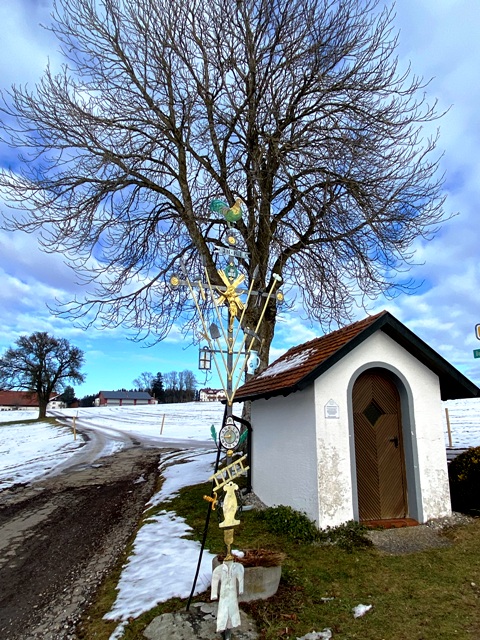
(449, 431)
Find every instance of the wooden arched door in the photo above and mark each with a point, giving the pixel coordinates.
(380, 461)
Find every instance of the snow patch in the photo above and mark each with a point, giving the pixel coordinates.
(361, 609)
(286, 364)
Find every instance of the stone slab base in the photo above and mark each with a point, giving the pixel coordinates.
(198, 623)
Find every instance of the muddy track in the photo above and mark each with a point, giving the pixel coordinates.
(61, 536)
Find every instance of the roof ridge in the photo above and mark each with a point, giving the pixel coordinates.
(297, 368)
(332, 334)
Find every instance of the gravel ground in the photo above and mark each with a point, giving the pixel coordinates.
(59, 538)
(413, 539)
(403, 539)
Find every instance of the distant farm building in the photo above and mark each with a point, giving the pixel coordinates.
(123, 398)
(211, 395)
(26, 400)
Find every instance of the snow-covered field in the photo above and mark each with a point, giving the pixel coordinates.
(163, 562)
(189, 420)
(464, 422)
(29, 450)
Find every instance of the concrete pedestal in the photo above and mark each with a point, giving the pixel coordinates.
(260, 583)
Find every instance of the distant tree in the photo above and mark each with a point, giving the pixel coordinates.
(158, 390)
(41, 364)
(88, 401)
(144, 382)
(174, 386)
(179, 386)
(298, 107)
(171, 386)
(190, 384)
(68, 396)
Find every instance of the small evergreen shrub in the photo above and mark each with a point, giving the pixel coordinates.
(464, 477)
(297, 526)
(348, 536)
(286, 521)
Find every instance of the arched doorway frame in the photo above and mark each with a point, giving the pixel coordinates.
(409, 433)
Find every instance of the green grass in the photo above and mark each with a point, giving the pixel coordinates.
(27, 422)
(432, 595)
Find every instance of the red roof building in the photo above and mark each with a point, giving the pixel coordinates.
(11, 400)
(123, 398)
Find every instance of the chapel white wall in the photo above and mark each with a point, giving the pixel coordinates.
(284, 469)
(334, 437)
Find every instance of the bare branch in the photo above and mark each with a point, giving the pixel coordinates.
(298, 107)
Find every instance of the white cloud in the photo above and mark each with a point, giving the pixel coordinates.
(26, 46)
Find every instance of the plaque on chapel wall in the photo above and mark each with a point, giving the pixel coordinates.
(332, 410)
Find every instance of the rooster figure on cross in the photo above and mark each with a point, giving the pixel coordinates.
(231, 214)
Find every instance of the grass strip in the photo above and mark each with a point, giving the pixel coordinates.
(429, 595)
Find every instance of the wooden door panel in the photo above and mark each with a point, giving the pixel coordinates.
(368, 484)
(381, 483)
(385, 393)
(390, 468)
(362, 394)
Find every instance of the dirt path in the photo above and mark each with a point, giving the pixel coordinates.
(59, 537)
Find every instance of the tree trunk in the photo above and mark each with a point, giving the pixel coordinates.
(265, 330)
(42, 413)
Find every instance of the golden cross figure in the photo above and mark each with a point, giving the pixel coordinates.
(230, 296)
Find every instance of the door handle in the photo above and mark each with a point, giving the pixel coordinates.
(395, 441)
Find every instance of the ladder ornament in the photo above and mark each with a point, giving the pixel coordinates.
(228, 473)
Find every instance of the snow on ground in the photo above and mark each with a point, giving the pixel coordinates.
(13, 416)
(28, 451)
(464, 422)
(161, 543)
(187, 421)
(163, 561)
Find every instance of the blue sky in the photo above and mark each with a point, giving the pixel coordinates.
(440, 40)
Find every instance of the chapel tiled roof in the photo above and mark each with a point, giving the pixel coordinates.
(301, 365)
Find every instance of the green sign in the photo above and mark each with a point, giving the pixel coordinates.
(476, 353)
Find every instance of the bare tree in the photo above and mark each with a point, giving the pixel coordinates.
(144, 382)
(190, 380)
(170, 381)
(186, 385)
(42, 365)
(297, 107)
(181, 380)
